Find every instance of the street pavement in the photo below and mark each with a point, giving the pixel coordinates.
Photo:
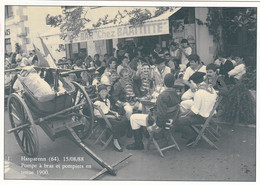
(235, 160)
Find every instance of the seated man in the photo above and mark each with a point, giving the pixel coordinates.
(166, 108)
(195, 66)
(123, 95)
(143, 82)
(225, 66)
(204, 100)
(239, 70)
(216, 81)
(159, 73)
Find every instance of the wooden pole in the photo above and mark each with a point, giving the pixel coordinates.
(102, 172)
(78, 141)
(60, 112)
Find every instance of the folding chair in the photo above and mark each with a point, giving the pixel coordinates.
(166, 141)
(105, 127)
(102, 126)
(209, 128)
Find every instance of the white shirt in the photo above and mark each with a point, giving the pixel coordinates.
(238, 71)
(217, 62)
(234, 62)
(119, 68)
(159, 76)
(204, 102)
(184, 59)
(105, 108)
(189, 71)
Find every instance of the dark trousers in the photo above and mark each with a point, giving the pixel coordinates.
(118, 126)
(183, 125)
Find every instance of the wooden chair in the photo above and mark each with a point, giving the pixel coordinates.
(104, 126)
(208, 129)
(164, 140)
(162, 144)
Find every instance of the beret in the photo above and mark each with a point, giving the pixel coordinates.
(197, 77)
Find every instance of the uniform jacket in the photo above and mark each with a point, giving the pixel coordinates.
(164, 104)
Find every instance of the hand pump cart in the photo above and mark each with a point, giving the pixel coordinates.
(69, 114)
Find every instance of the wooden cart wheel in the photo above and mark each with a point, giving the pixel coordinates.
(19, 115)
(87, 111)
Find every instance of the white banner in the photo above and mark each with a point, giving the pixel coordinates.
(124, 31)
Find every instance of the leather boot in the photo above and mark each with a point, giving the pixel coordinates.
(138, 144)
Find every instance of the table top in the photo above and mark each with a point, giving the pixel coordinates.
(147, 102)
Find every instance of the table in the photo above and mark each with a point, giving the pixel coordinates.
(147, 104)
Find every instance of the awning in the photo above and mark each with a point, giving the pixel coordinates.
(155, 26)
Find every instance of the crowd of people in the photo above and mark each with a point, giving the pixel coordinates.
(121, 81)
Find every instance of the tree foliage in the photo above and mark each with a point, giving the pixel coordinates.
(249, 79)
(239, 105)
(138, 16)
(73, 19)
(221, 24)
(245, 19)
(71, 23)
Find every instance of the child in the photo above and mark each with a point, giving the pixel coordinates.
(118, 123)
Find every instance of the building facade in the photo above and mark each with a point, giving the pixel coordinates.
(25, 24)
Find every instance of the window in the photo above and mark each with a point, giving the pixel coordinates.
(7, 41)
(8, 11)
(8, 45)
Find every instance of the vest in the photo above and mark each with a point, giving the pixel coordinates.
(145, 85)
(127, 85)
